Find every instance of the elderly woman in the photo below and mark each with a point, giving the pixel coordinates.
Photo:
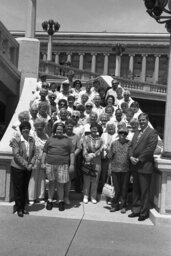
(23, 160)
(69, 125)
(83, 118)
(104, 118)
(92, 147)
(108, 137)
(58, 158)
(52, 97)
(77, 85)
(119, 169)
(23, 116)
(71, 100)
(36, 190)
(92, 120)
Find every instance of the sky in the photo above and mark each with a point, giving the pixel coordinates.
(83, 15)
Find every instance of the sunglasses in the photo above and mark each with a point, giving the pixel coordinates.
(88, 106)
(75, 116)
(123, 133)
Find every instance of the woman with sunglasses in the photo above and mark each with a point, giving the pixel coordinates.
(119, 169)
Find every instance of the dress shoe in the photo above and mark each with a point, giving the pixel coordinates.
(20, 214)
(49, 205)
(142, 218)
(133, 215)
(25, 212)
(114, 209)
(123, 210)
(61, 206)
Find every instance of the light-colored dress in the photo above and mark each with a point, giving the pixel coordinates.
(36, 189)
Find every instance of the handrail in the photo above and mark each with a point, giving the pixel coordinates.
(142, 86)
(51, 68)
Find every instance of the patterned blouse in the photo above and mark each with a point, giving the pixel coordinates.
(118, 154)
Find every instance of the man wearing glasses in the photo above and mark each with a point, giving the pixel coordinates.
(112, 91)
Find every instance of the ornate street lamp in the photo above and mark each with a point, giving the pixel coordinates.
(50, 27)
(160, 10)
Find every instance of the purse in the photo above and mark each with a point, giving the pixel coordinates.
(88, 169)
(108, 189)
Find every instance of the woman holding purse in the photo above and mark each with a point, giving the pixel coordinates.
(119, 169)
(92, 147)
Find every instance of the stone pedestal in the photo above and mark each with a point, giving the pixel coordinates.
(161, 189)
(28, 65)
(5, 177)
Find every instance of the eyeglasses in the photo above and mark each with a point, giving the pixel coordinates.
(123, 133)
(75, 116)
(88, 106)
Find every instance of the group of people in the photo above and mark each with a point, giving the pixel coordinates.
(76, 135)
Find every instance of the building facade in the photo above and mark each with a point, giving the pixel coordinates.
(140, 57)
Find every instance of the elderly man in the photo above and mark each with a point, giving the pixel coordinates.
(112, 91)
(97, 105)
(141, 156)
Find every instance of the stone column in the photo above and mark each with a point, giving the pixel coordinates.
(118, 65)
(69, 56)
(44, 56)
(167, 126)
(93, 64)
(156, 69)
(81, 61)
(131, 63)
(106, 62)
(57, 58)
(49, 51)
(143, 70)
(31, 19)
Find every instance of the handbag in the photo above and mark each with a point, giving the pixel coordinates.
(88, 169)
(108, 189)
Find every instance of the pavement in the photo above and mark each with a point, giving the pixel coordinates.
(81, 230)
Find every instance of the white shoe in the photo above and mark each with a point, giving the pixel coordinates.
(31, 203)
(85, 200)
(94, 201)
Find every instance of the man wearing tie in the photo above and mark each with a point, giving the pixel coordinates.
(142, 164)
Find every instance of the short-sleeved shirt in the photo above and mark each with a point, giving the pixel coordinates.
(119, 156)
(58, 150)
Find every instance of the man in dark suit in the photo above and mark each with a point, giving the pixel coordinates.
(142, 163)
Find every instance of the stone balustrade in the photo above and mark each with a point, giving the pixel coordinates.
(53, 69)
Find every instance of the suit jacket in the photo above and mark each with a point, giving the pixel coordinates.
(144, 150)
(20, 159)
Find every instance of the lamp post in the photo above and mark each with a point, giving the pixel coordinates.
(160, 10)
(119, 49)
(50, 27)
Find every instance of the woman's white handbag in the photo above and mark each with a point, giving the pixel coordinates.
(108, 189)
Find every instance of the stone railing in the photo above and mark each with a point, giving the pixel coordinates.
(53, 69)
(140, 86)
(8, 46)
(157, 91)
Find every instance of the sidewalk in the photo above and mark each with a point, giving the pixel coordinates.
(82, 230)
